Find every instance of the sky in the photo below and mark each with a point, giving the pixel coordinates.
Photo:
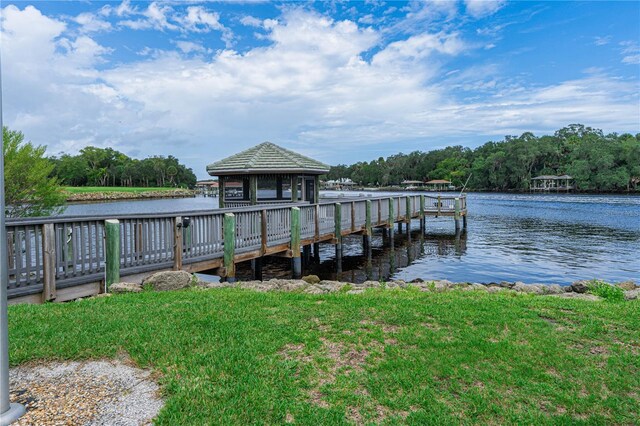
(338, 81)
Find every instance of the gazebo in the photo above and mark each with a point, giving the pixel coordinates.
(267, 174)
(439, 185)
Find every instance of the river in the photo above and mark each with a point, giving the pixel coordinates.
(534, 238)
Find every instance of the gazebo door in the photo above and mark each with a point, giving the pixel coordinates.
(309, 190)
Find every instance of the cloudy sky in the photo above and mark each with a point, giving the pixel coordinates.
(340, 81)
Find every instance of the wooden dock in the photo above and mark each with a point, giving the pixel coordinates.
(63, 258)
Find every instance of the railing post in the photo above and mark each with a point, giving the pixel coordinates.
(295, 242)
(464, 212)
(317, 222)
(229, 246)
(457, 213)
(409, 210)
(338, 229)
(112, 252)
(177, 243)
(366, 238)
(353, 216)
(263, 232)
(422, 215)
(392, 217)
(439, 205)
(48, 262)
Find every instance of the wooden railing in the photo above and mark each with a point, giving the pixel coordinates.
(53, 253)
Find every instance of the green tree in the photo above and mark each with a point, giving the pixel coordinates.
(29, 189)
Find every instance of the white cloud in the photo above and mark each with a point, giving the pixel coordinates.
(601, 41)
(482, 8)
(309, 86)
(191, 47)
(630, 52)
(90, 23)
(251, 21)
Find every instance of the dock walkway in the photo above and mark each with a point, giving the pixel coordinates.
(63, 258)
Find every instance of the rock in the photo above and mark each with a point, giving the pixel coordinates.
(632, 294)
(477, 287)
(355, 291)
(528, 288)
(580, 286)
(416, 280)
(208, 284)
(311, 279)
(125, 288)
(581, 296)
(552, 289)
(314, 289)
(97, 296)
(294, 285)
(627, 285)
(495, 289)
(507, 284)
(368, 284)
(168, 280)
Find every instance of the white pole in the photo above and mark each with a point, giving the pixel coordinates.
(9, 412)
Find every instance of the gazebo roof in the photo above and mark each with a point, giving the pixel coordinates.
(439, 181)
(551, 177)
(267, 158)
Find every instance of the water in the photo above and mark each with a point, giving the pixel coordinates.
(512, 237)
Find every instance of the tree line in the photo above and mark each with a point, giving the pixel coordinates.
(107, 167)
(598, 162)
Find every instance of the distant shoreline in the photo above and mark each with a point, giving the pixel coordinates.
(486, 191)
(121, 195)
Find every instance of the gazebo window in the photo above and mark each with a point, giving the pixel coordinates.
(268, 187)
(236, 189)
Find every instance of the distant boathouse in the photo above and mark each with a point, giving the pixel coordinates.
(549, 183)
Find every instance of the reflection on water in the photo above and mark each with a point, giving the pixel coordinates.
(545, 238)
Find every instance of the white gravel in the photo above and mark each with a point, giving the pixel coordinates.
(88, 393)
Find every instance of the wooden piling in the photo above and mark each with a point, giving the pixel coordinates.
(456, 216)
(422, 215)
(112, 252)
(407, 217)
(48, 262)
(177, 243)
(338, 229)
(229, 246)
(295, 242)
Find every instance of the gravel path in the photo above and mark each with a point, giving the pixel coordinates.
(85, 393)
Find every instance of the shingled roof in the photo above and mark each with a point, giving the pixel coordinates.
(266, 158)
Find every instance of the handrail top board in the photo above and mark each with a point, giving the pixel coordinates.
(244, 209)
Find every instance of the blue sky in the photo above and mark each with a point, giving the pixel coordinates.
(339, 81)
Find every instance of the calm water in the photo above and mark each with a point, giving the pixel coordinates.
(512, 237)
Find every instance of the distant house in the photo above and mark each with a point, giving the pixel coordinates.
(267, 174)
(207, 187)
(412, 184)
(549, 183)
(342, 184)
(439, 185)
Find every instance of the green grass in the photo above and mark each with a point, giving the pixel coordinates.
(239, 357)
(98, 189)
(606, 291)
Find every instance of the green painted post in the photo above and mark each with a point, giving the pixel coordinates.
(457, 213)
(295, 242)
(112, 252)
(221, 192)
(229, 246)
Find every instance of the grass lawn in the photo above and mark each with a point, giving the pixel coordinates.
(92, 189)
(232, 356)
